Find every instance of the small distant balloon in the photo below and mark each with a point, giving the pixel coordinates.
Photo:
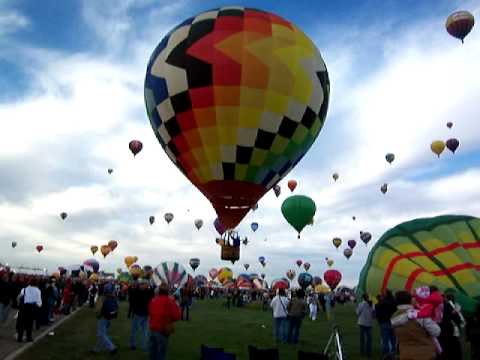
(299, 262)
(437, 147)
(39, 248)
(110, 171)
(151, 219)
(255, 207)
(452, 144)
(306, 266)
(168, 217)
(63, 215)
(93, 249)
(105, 250)
(351, 244)
(277, 190)
(219, 226)
(292, 184)
(449, 124)
(390, 157)
(254, 226)
(112, 244)
(354, 218)
(365, 236)
(198, 223)
(246, 266)
(135, 147)
(384, 188)
(335, 176)
(329, 262)
(337, 242)
(347, 253)
(14, 244)
(245, 241)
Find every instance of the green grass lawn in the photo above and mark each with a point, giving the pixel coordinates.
(211, 324)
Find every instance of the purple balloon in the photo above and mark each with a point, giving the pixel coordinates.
(351, 244)
(452, 144)
(219, 226)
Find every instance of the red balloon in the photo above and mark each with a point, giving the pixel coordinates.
(112, 244)
(292, 184)
(39, 248)
(135, 146)
(332, 278)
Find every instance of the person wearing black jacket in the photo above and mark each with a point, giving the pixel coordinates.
(384, 310)
(139, 300)
(451, 346)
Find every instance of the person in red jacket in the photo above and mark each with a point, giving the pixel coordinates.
(163, 312)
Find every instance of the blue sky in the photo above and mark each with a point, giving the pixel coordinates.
(72, 91)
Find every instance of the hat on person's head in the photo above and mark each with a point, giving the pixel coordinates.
(108, 289)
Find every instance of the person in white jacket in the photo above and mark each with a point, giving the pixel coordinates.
(279, 305)
(30, 300)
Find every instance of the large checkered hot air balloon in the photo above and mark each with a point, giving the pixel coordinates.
(236, 97)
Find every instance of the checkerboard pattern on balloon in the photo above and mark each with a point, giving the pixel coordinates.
(236, 94)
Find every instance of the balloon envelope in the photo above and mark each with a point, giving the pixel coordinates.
(298, 210)
(365, 236)
(332, 278)
(292, 185)
(277, 190)
(437, 147)
(219, 226)
(168, 217)
(39, 248)
(306, 266)
(63, 215)
(254, 226)
(213, 273)
(194, 263)
(280, 284)
(351, 244)
(151, 219)
(452, 144)
(291, 274)
(171, 273)
(337, 242)
(91, 265)
(215, 87)
(198, 223)
(459, 24)
(348, 253)
(390, 157)
(304, 280)
(112, 244)
(14, 244)
(135, 147)
(224, 275)
(105, 250)
(93, 249)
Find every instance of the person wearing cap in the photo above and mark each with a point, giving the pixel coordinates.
(107, 310)
(163, 313)
(139, 299)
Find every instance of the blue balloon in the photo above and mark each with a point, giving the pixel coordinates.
(254, 226)
(305, 280)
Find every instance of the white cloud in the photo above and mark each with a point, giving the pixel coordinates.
(12, 21)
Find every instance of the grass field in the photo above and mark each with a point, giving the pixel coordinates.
(211, 324)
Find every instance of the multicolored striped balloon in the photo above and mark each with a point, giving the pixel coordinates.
(171, 273)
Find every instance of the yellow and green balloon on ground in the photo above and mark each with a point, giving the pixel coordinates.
(443, 251)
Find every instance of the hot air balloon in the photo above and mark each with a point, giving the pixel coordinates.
(219, 226)
(14, 244)
(347, 253)
(298, 210)
(93, 249)
(442, 251)
(291, 274)
(261, 260)
(299, 262)
(245, 241)
(332, 278)
(337, 242)
(335, 176)
(277, 190)
(63, 215)
(317, 280)
(243, 282)
(39, 248)
(354, 218)
(221, 103)
(129, 260)
(224, 274)
(151, 219)
(304, 280)
(198, 223)
(213, 273)
(292, 184)
(254, 226)
(110, 171)
(384, 188)
(168, 217)
(330, 262)
(105, 250)
(365, 236)
(449, 124)
(280, 284)
(459, 24)
(194, 263)
(171, 273)
(246, 266)
(135, 147)
(306, 266)
(437, 147)
(390, 157)
(112, 244)
(452, 144)
(91, 265)
(351, 244)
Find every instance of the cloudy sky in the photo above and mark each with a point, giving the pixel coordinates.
(71, 98)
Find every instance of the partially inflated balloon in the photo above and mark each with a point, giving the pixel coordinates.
(63, 215)
(443, 251)
(351, 244)
(168, 217)
(332, 278)
(452, 144)
(337, 242)
(306, 266)
(198, 223)
(298, 210)
(254, 226)
(365, 236)
(459, 24)
(194, 263)
(236, 97)
(135, 147)
(437, 147)
(39, 248)
(105, 250)
(171, 273)
(112, 244)
(277, 190)
(93, 249)
(348, 253)
(151, 219)
(384, 188)
(292, 185)
(390, 157)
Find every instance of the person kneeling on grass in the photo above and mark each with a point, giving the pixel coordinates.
(163, 312)
(108, 310)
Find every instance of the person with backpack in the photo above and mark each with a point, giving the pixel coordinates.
(279, 306)
(108, 310)
(163, 312)
(297, 310)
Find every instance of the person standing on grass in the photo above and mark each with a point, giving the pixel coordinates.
(297, 310)
(140, 299)
(279, 305)
(108, 310)
(384, 310)
(313, 305)
(30, 299)
(185, 302)
(365, 313)
(6, 291)
(163, 312)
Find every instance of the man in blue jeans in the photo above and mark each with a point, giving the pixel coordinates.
(384, 310)
(108, 311)
(139, 300)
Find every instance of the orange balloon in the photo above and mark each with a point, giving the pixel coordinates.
(292, 184)
(105, 250)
